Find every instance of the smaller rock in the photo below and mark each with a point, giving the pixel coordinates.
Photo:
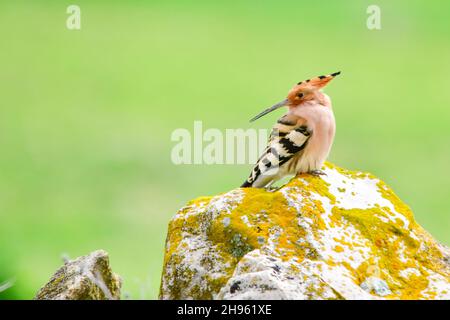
(85, 278)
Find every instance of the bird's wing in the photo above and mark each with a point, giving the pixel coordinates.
(288, 137)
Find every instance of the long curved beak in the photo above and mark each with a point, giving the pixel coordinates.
(269, 110)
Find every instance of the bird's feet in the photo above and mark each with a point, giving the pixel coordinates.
(272, 189)
(317, 173)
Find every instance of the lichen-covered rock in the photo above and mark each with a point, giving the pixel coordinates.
(345, 235)
(85, 278)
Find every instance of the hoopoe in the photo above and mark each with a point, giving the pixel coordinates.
(301, 140)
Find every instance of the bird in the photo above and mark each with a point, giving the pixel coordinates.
(301, 139)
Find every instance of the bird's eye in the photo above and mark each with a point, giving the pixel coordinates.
(300, 95)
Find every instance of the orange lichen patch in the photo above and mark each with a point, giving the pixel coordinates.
(344, 243)
(416, 285)
(317, 219)
(399, 206)
(365, 270)
(380, 243)
(311, 184)
(348, 267)
(313, 210)
(336, 219)
(330, 262)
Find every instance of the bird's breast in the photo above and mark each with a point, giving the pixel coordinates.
(321, 123)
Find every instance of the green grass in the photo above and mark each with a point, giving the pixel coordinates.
(86, 116)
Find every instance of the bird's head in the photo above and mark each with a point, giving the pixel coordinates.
(301, 93)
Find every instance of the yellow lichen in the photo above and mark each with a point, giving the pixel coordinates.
(262, 218)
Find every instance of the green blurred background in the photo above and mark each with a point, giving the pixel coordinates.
(86, 116)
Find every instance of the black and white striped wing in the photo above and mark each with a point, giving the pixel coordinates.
(287, 139)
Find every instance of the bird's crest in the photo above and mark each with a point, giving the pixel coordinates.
(317, 82)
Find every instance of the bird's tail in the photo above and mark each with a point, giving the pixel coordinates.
(246, 184)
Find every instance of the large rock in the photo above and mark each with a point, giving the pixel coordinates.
(85, 278)
(345, 235)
